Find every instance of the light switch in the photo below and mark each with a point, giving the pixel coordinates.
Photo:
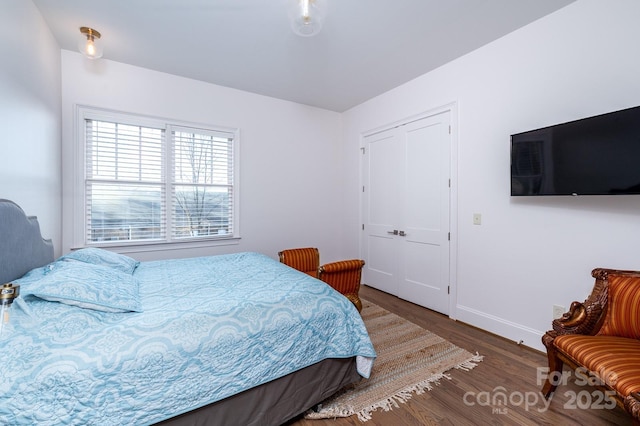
(477, 219)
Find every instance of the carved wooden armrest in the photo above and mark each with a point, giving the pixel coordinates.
(586, 317)
(632, 405)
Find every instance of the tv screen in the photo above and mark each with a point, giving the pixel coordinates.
(593, 156)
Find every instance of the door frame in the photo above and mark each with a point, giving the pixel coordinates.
(453, 194)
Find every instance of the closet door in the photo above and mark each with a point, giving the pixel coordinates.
(405, 243)
(382, 199)
(424, 249)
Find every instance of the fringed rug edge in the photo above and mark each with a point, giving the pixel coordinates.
(402, 396)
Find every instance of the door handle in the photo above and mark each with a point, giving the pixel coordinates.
(394, 232)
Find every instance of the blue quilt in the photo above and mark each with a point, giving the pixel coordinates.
(210, 327)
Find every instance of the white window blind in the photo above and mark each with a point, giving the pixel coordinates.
(202, 186)
(157, 184)
(124, 182)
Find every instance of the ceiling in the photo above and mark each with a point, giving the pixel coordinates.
(365, 48)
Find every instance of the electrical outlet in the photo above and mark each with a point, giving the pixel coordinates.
(558, 311)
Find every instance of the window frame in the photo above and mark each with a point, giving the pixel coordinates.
(80, 240)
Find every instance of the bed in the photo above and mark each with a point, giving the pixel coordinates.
(99, 338)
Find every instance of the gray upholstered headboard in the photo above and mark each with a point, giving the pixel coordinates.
(22, 247)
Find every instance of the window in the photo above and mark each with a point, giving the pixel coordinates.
(150, 181)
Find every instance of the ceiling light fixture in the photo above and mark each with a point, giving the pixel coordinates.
(307, 17)
(90, 44)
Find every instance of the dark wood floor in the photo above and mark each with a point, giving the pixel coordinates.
(507, 369)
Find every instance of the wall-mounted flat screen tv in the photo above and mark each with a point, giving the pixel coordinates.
(593, 156)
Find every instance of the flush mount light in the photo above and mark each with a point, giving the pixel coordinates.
(90, 44)
(307, 17)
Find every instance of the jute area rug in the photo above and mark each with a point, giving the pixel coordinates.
(410, 360)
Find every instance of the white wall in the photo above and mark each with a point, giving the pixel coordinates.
(533, 252)
(30, 115)
(290, 159)
(300, 178)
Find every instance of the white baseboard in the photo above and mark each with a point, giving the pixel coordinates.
(519, 333)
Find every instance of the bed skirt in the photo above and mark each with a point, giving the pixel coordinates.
(277, 401)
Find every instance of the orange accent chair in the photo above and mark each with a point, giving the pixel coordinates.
(306, 260)
(344, 276)
(602, 338)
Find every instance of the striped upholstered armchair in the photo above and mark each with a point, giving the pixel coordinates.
(601, 336)
(306, 259)
(344, 275)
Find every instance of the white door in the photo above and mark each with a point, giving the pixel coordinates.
(406, 211)
(381, 197)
